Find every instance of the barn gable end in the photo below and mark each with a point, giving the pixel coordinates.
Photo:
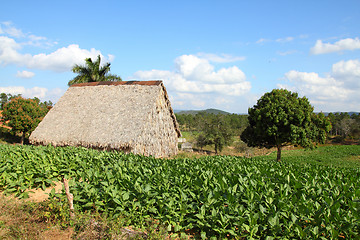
(134, 116)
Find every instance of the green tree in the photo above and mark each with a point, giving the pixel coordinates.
(216, 131)
(93, 72)
(3, 100)
(355, 129)
(23, 115)
(281, 118)
(202, 141)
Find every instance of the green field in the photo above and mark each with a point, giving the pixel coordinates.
(347, 156)
(310, 195)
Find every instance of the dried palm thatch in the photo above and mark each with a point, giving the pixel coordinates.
(133, 116)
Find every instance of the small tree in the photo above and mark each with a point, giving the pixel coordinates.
(201, 141)
(93, 72)
(23, 115)
(281, 118)
(216, 131)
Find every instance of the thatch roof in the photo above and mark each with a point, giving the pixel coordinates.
(133, 116)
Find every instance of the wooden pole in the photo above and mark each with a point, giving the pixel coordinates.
(70, 198)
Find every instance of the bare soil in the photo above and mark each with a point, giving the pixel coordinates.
(38, 195)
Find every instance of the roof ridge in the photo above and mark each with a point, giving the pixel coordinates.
(111, 83)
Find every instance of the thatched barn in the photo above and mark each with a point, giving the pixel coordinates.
(132, 116)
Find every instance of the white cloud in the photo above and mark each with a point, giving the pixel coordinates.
(195, 83)
(262, 40)
(303, 36)
(25, 92)
(54, 94)
(38, 41)
(307, 78)
(349, 72)
(341, 45)
(311, 84)
(222, 100)
(8, 29)
(336, 91)
(25, 74)
(279, 40)
(222, 58)
(196, 75)
(14, 32)
(42, 93)
(36, 38)
(9, 51)
(193, 99)
(287, 52)
(60, 60)
(110, 57)
(284, 40)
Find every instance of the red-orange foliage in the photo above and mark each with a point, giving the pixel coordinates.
(23, 115)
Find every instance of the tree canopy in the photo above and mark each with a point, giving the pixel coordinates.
(345, 125)
(93, 72)
(215, 131)
(212, 129)
(281, 118)
(23, 115)
(6, 97)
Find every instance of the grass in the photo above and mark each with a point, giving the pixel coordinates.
(50, 219)
(190, 136)
(336, 155)
(332, 156)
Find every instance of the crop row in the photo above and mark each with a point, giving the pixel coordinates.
(218, 196)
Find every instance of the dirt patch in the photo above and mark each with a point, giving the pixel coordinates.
(39, 195)
(354, 158)
(58, 234)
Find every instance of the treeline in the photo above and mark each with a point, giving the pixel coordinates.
(219, 129)
(213, 129)
(6, 97)
(345, 125)
(195, 122)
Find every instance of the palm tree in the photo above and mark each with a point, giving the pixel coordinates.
(93, 72)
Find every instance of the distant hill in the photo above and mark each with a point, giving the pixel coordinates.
(350, 113)
(194, 112)
(217, 111)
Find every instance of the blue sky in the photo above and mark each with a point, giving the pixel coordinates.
(210, 54)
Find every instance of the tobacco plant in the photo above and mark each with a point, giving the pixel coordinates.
(211, 197)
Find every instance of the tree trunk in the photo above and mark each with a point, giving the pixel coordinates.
(278, 153)
(22, 138)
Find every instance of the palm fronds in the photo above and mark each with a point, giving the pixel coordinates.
(93, 72)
